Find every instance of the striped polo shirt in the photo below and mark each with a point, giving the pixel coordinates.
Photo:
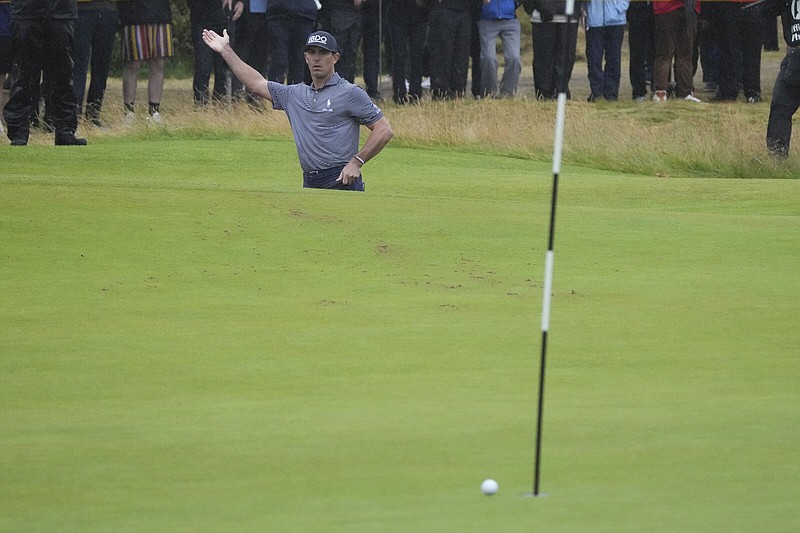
(326, 122)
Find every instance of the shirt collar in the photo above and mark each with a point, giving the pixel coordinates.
(333, 80)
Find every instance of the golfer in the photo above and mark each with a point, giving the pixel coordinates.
(325, 117)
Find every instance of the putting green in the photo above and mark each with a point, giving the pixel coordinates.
(191, 342)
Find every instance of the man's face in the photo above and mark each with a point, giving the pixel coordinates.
(320, 62)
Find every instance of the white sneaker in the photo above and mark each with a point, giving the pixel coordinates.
(660, 96)
(130, 118)
(2, 131)
(692, 98)
(426, 82)
(156, 118)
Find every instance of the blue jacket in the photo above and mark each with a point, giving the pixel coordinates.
(601, 13)
(499, 9)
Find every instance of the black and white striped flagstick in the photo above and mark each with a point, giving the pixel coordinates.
(558, 145)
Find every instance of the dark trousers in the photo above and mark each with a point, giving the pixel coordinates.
(287, 38)
(408, 46)
(449, 42)
(206, 61)
(346, 28)
(371, 47)
(675, 33)
(328, 179)
(554, 46)
(95, 31)
(785, 101)
(252, 46)
(252, 41)
(641, 45)
(475, 50)
(43, 45)
(771, 34)
(740, 37)
(708, 45)
(602, 43)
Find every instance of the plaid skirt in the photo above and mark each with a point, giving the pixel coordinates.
(141, 42)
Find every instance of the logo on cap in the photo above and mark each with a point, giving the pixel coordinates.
(317, 39)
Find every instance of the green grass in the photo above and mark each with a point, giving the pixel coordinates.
(191, 342)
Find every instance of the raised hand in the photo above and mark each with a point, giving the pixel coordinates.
(216, 41)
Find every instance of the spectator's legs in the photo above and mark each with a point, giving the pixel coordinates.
(665, 34)
(155, 82)
(510, 40)
(488, 33)
(613, 68)
(105, 30)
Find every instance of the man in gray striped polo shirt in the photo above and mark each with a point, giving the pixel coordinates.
(325, 116)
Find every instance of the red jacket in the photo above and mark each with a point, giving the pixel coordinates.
(665, 6)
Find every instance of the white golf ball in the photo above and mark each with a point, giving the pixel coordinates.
(489, 487)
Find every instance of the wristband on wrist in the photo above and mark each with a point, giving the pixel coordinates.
(361, 161)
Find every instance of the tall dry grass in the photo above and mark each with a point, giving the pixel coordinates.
(673, 139)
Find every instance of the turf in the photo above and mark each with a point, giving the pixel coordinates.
(191, 342)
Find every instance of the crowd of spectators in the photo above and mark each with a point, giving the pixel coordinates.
(428, 44)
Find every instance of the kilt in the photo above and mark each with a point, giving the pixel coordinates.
(141, 42)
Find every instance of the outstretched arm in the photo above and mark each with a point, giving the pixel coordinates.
(252, 80)
(381, 134)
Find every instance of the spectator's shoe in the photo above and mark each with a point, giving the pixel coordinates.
(426, 82)
(2, 131)
(660, 96)
(777, 148)
(130, 118)
(639, 99)
(692, 98)
(157, 118)
(67, 138)
(20, 138)
(754, 99)
(719, 99)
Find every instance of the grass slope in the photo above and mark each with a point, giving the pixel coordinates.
(190, 342)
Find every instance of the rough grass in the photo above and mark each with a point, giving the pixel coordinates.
(677, 139)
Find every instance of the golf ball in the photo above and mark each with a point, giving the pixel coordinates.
(489, 487)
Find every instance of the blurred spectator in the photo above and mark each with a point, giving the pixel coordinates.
(408, 23)
(449, 39)
(5, 55)
(771, 34)
(371, 45)
(475, 48)
(289, 22)
(43, 35)
(605, 31)
(641, 47)
(786, 93)
(252, 40)
(708, 47)
(345, 25)
(215, 15)
(555, 37)
(675, 31)
(499, 19)
(740, 34)
(146, 36)
(95, 31)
